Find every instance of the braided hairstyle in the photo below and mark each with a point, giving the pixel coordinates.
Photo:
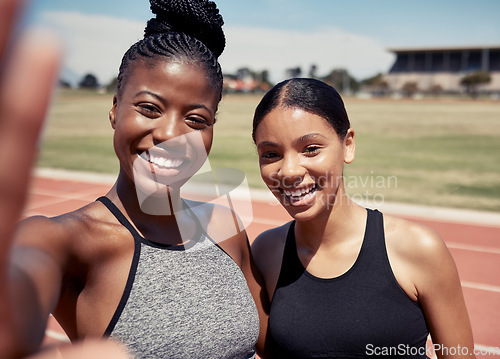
(189, 31)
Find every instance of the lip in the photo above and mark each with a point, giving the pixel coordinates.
(163, 164)
(166, 160)
(301, 196)
(169, 163)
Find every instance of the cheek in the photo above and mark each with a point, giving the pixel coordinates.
(329, 175)
(126, 126)
(123, 134)
(119, 136)
(327, 162)
(268, 173)
(208, 138)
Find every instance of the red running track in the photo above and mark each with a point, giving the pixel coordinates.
(475, 248)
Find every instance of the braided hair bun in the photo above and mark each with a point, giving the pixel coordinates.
(199, 19)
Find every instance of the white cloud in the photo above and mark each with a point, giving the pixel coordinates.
(96, 44)
(328, 48)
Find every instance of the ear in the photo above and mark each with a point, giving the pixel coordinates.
(112, 112)
(349, 146)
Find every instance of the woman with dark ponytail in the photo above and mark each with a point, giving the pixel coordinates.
(345, 281)
(168, 277)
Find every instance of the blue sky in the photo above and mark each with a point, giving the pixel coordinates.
(278, 34)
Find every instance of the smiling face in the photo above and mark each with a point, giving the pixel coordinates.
(301, 160)
(163, 120)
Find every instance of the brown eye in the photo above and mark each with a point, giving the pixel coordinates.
(312, 150)
(270, 155)
(148, 110)
(198, 123)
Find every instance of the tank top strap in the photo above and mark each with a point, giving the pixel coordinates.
(200, 231)
(374, 241)
(135, 261)
(373, 251)
(291, 267)
(119, 216)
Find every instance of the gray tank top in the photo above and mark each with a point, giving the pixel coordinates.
(187, 301)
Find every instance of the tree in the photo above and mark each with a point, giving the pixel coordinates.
(64, 84)
(293, 72)
(376, 80)
(265, 83)
(376, 84)
(313, 71)
(245, 73)
(89, 81)
(341, 80)
(435, 89)
(473, 80)
(410, 88)
(112, 86)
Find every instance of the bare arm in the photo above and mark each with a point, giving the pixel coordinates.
(426, 271)
(440, 294)
(95, 349)
(35, 270)
(26, 79)
(267, 250)
(257, 287)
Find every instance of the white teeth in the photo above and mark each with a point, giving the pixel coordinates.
(162, 161)
(299, 192)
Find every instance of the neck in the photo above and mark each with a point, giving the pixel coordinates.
(332, 226)
(160, 217)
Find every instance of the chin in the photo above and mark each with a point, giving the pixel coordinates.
(303, 216)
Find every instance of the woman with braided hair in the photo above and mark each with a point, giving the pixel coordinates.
(167, 277)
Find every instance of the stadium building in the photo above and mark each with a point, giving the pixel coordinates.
(441, 69)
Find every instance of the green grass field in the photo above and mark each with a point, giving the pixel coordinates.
(441, 152)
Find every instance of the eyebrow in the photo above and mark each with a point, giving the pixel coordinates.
(267, 143)
(309, 136)
(303, 138)
(162, 100)
(144, 92)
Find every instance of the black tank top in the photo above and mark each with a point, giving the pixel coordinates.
(363, 313)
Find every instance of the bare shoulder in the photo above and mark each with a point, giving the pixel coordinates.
(267, 250)
(63, 235)
(426, 271)
(50, 234)
(413, 240)
(270, 242)
(419, 257)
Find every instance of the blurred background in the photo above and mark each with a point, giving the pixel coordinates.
(421, 82)
(346, 43)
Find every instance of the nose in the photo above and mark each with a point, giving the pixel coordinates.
(167, 128)
(291, 170)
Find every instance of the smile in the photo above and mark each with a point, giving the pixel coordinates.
(300, 196)
(162, 161)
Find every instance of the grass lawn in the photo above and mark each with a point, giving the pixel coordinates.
(441, 152)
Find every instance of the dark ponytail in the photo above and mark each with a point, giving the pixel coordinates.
(310, 95)
(189, 31)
